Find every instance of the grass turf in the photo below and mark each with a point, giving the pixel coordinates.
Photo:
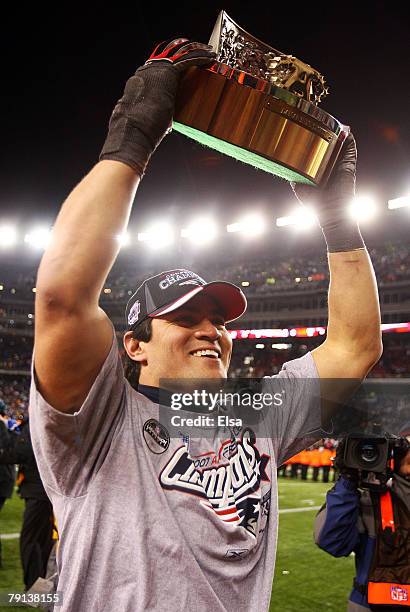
(306, 578)
(243, 155)
(11, 577)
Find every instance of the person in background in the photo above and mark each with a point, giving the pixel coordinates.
(7, 471)
(375, 525)
(36, 537)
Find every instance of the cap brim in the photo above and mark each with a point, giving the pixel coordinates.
(228, 296)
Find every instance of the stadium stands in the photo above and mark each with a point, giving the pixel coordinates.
(282, 292)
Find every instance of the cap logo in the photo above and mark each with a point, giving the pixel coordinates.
(134, 313)
(171, 279)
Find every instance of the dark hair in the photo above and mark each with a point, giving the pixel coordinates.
(132, 369)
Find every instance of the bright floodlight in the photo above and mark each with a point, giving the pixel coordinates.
(8, 236)
(124, 239)
(158, 235)
(399, 202)
(250, 225)
(363, 208)
(38, 238)
(303, 217)
(201, 231)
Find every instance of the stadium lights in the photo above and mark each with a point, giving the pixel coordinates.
(201, 231)
(38, 238)
(124, 239)
(303, 218)
(250, 225)
(8, 236)
(158, 235)
(363, 208)
(399, 202)
(281, 346)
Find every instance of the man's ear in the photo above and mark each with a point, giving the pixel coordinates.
(135, 348)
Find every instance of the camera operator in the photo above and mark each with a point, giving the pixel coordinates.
(369, 514)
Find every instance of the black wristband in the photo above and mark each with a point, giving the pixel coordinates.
(341, 233)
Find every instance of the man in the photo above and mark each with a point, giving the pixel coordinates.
(376, 527)
(147, 522)
(36, 539)
(7, 472)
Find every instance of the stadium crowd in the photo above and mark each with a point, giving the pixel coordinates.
(14, 391)
(391, 263)
(247, 362)
(15, 352)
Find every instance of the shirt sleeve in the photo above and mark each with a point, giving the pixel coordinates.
(71, 448)
(336, 529)
(293, 422)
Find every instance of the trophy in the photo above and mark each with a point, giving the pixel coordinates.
(259, 106)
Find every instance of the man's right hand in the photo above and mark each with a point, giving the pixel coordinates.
(143, 116)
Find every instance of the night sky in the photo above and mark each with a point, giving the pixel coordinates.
(64, 68)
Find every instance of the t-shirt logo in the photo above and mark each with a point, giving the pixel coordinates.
(232, 491)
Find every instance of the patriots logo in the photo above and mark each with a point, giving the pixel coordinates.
(232, 491)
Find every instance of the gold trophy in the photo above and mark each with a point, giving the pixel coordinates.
(259, 106)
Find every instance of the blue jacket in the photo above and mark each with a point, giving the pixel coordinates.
(345, 525)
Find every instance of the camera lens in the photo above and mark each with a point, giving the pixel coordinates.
(369, 453)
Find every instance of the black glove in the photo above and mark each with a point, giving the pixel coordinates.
(143, 115)
(340, 231)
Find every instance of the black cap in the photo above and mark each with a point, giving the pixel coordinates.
(169, 290)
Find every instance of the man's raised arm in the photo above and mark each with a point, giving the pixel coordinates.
(353, 344)
(72, 334)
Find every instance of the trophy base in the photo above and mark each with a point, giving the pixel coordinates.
(258, 123)
(243, 155)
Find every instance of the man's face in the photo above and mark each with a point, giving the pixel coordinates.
(405, 466)
(190, 342)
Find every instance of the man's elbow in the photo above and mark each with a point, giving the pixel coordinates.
(371, 354)
(335, 549)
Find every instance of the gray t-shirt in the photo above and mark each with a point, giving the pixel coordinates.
(143, 526)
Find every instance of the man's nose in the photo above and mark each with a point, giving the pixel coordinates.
(208, 329)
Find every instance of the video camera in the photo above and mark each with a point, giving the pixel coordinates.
(370, 459)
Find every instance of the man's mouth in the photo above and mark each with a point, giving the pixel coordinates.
(206, 353)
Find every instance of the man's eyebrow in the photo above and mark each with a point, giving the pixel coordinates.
(192, 310)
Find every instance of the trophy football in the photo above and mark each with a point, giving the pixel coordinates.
(259, 106)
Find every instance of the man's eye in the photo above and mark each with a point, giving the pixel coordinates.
(219, 322)
(185, 319)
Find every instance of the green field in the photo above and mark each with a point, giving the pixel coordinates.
(306, 578)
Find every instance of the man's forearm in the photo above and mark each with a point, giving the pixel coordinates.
(84, 241)
(354, 313)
